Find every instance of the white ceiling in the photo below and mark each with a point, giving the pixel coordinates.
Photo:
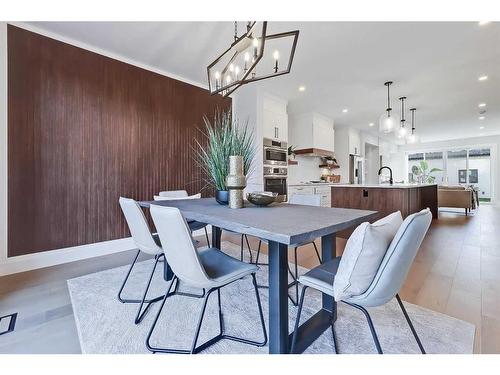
(342, 64)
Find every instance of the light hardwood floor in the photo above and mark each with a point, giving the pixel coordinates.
(456, 272)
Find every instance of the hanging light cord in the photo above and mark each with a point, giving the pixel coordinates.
(235, 31)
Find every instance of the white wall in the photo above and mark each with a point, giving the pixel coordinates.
(247, 108)
(342, 153)
(306, 170)
(491, 141)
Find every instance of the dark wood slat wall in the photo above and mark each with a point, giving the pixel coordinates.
(84, 129)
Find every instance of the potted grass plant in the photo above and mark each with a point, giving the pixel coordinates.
(223, 138)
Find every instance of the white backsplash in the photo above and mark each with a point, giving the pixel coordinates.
(307, 170)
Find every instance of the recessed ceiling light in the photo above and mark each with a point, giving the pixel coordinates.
(481, 117)
(302, 88)
(481, 127)
(482, 78)
(481, 105)
(371, 124)
(345, 110)
(482, 23)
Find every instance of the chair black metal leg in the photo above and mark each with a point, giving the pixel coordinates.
(317, 252)
(148, 338)
(249, 249)
(410, 324)
(335, 342)
(370, 324)
(206, 236)
(297, 320)
(241, 248)
(258, 255)
(141, 313)
(261, 314)
(127, 300)
(196, 349)
(296, 277)
(200, 321)
(262, 322)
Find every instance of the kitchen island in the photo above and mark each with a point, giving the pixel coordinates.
(386, 198)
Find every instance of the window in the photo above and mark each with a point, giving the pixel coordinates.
(453, 167)
(480, 172)
(456, 168)
(425, 167)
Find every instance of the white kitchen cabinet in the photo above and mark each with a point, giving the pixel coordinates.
(325, 192)
(300, 190)
(312, 130)
(275, 119)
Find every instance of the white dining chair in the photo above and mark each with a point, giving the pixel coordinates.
(182, 194)
(209, 269)
(299, 199)
(387, 282)
(147, 243)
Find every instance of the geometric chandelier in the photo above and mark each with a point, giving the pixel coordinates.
(251, 57)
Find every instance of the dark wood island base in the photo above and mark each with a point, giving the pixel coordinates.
(385, 199)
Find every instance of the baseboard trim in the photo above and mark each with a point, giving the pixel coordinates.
(44, 259)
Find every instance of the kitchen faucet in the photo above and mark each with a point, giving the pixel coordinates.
(390, 171)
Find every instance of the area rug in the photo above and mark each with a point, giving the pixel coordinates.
(107, 326)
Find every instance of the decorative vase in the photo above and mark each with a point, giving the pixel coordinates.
(235, 182)
(222, 197)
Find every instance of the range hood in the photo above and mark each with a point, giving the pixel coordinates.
(316, 152)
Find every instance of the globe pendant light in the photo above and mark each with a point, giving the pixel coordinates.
(402, 130)
(412, 137)
(388, 120)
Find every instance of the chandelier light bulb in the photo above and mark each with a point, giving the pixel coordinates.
(276, 55)
(255, 42)
(402, 131)
(231, 67)
(236, 71)
(217, 75)
(228, 79)
(247, 57)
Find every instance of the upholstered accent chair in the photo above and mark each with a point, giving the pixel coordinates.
(455, 197)
(386, 284)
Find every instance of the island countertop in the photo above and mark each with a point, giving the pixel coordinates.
(385, 186)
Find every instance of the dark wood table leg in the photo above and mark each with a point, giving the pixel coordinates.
(216, 234)
(314, 327)
(328, 252)
(278, 298)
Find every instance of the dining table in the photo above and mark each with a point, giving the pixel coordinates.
(282, 225)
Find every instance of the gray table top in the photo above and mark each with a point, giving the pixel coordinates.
(281, 222)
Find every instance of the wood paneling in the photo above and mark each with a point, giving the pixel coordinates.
(84, 129)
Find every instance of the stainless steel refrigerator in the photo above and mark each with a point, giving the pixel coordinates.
(356, 169)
